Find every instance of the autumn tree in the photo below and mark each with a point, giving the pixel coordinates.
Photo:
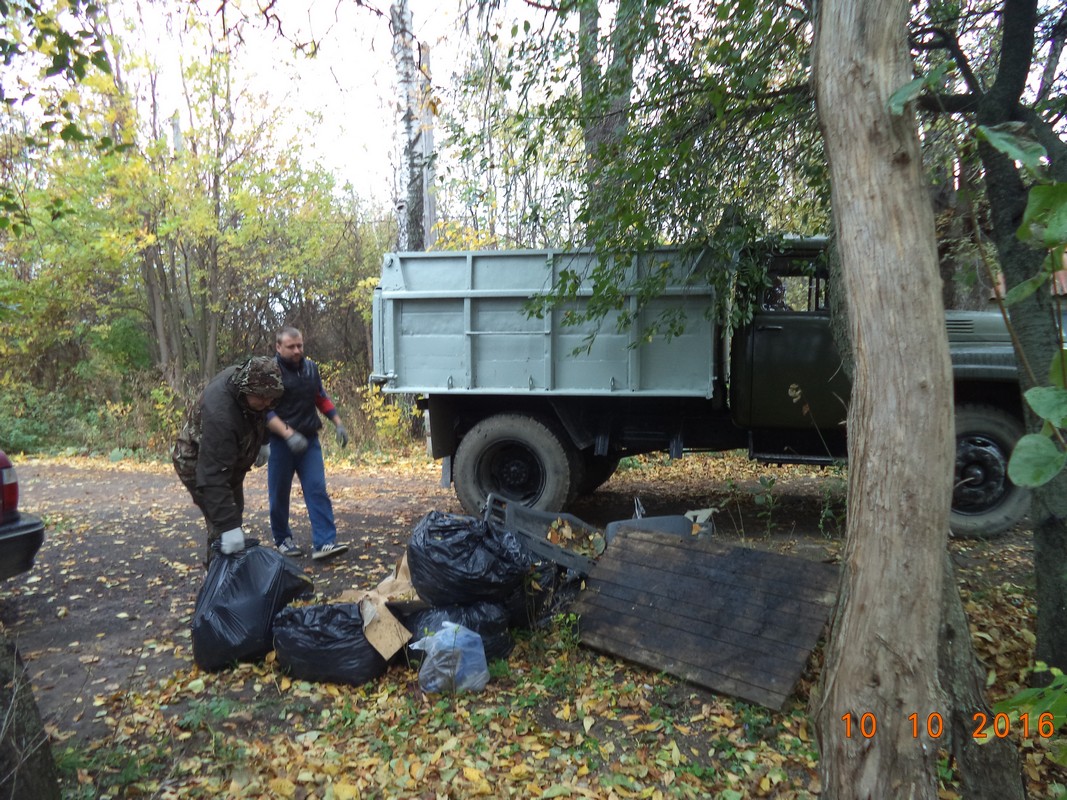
(1011, 99)
(882, 657)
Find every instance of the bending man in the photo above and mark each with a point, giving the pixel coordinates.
(294, 448)
(219, 443)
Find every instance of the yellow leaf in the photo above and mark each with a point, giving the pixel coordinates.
(283, 787)
(345, 791)
(284, 684)
(765, 784)
(676, 754)
(473, 774)
(588, 723)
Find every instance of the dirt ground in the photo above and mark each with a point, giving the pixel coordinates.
(109, 603)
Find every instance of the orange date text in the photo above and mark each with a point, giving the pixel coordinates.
(997, 726)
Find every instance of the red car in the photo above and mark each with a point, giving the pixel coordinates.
(21, 535)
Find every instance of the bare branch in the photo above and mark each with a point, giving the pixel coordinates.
(932, 38)
(1057, 37)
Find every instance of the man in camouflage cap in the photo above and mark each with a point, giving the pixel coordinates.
(220, 442)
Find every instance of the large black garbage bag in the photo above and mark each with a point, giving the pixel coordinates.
(459, 560)
(486, 618)
(236, 605)
(326, 643)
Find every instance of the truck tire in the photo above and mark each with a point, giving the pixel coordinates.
(985, 502)
(514, 456)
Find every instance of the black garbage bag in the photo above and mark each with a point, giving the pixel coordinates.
(486, 618)
(326, 643)
(236, 605)
(548, 589)
(459, 560)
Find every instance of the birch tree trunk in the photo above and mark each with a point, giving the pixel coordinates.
(882, 657)
(410, 203)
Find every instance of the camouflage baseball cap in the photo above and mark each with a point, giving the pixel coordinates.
(260, 376)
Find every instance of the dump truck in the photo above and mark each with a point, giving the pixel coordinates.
(539, 408)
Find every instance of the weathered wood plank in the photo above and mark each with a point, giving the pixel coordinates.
(738, 621)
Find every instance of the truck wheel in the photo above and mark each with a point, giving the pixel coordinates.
(985, 502)
(596, 471)
(513, 456)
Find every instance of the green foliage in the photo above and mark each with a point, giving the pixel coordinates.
(1015, 140)
(685, 120)
(833, 513)
(36, 421)
(1039, 711)
(766, 501)
(56, 43)
(1038, 458)
(389, 415)
(931, 81)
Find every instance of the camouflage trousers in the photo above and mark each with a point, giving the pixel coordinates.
(213, 532)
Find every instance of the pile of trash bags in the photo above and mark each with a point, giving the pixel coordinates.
(475, 582)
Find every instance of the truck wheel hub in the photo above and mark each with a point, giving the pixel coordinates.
(515, 472)
(981, 475)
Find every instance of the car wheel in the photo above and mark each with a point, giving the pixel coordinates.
(517, 457)
(985, 502)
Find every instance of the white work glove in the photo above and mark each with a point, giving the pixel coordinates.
(264, 454)
(298, 443)
(233, 541)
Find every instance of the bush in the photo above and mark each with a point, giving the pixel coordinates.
(144, 423)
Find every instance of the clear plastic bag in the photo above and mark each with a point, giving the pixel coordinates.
(454, 662)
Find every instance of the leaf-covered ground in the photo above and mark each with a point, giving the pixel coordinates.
(103, 624)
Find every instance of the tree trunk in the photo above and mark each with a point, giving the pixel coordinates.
(881, 660)
(990, 769)
(1032, 318)
(607, 93)
(410, 206)
(26, 766)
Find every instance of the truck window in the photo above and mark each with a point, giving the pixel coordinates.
(797, 284)
(796, 293)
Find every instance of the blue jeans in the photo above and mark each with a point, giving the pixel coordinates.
(281, 466)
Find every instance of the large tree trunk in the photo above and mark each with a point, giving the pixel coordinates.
(990, 769)
(26, 766)
(1032, 318)
(881, 660)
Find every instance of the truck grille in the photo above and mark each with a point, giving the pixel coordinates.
(959, 326)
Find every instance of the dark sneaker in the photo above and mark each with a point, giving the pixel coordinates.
(289, 548)
(329, 550)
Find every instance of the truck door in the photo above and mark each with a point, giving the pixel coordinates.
(787, 370)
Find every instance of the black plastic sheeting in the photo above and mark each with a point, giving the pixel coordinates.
(459, 560)
(236, 605)
(486, 618)
(326, 643)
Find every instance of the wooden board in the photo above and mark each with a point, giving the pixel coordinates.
(734, 620)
